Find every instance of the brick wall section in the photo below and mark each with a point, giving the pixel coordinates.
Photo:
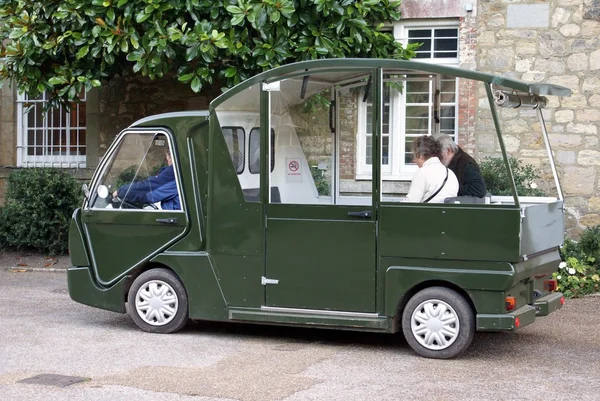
(348, 120)
(467, 112)
(466, 88)
(317, 141)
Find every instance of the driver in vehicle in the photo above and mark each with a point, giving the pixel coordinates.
(159, 188)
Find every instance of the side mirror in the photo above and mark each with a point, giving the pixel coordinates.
(86, 190)
(102, 191)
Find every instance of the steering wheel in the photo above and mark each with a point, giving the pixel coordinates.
(119, 203)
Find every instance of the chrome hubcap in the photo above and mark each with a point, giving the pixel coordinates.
(435, 324)
(156, 303)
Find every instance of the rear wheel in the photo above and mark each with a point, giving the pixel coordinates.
(438, 323)
(157, 302)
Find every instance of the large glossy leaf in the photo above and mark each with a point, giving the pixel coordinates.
(87, 42)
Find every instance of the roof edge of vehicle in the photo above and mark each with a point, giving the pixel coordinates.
(495, 79)
(175, 114)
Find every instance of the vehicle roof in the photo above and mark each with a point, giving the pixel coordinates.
(331, 68)
(163, 116)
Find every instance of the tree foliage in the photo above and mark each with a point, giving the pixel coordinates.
(66, 46)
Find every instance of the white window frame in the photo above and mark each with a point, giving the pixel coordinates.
(46, 160)
(397, 169)
(402, 29)
(402, 170)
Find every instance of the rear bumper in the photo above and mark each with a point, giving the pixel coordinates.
(83, 289)
(521, 317)
(549, 303)
(507, 321)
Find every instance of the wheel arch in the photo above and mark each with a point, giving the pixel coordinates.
(144, 268)
(397, 318)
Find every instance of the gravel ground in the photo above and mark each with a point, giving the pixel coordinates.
(24, 260)
(43, 332)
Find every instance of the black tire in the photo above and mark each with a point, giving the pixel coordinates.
(165, 291)
(437, 339)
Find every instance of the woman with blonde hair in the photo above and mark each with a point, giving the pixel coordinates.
(432, 182)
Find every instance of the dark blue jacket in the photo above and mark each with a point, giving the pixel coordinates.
(141, 191)
(167, 196)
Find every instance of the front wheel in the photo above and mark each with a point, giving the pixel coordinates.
(157, 302)
(438, 323)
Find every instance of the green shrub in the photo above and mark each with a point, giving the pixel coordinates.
(321, 182)
(579, 273)
(496, 179)
(37, 210)
(589, 244)
(577, 277)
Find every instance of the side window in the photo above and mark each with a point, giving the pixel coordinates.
(317, 120)
(139, 175)
(237, 117)
(254, 151)
(235, 137)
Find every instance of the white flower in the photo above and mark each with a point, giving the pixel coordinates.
(571, 270)
(562, 265)
(558, 277)
(533, 185)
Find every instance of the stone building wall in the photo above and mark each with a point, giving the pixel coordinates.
(467, 90)
(534, 40)
(7, 129)
(124, 100)
(312, 127)
(110, 109)
(552, 42)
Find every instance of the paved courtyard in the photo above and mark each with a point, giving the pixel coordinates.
(43, 332)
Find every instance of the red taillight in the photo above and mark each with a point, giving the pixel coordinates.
(562, 300)
(550, 285)
(511, 303)
(517, 322)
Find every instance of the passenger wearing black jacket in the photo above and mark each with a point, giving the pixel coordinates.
(466, 169)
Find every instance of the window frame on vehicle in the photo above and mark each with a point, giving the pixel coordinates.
(106, 164)
(251, 163)
(241, 167)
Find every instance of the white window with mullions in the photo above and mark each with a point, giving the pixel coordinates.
(407, 113)
(439, 39)
(365, 136)
(413, 105)
(50, 138)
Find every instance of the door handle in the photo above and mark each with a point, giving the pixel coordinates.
(170, 220)
(367, 214)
